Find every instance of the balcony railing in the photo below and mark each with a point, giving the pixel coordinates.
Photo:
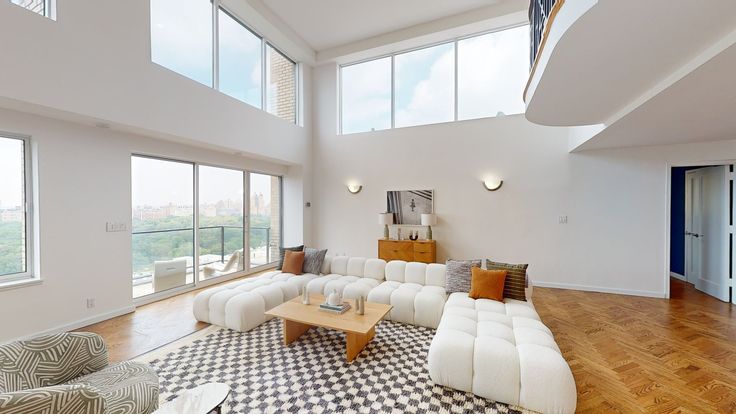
(144, 275)
(540, 12)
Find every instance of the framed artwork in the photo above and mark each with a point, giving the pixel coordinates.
(408, 206)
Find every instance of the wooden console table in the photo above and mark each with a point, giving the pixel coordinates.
(424, 251)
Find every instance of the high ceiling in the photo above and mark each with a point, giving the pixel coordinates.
(325, 24)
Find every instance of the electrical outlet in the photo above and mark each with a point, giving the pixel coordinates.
(90, 303)
(113, 227)
(562, 219)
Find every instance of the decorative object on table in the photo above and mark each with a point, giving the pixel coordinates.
(516, 279)
(360, 305)
(207, 398)
(398, 233)
(334, 298)
(458, 274)
(492, 184)
(354, 188)
(282, 251)
(385, 219)
(305, 295)
(408, 206)
(429, 220)
(424, 251)
(413, 236)
(338, 309)
(313, 260)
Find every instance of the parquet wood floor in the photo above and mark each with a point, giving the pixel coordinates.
(628, 354)
(631, 354)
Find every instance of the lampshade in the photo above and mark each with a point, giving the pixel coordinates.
(386, 219)
(429, 220)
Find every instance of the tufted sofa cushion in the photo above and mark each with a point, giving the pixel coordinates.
(415, 290)
(350, 276)
(501, 351)
(241, 305)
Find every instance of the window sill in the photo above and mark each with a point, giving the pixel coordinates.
(20, 283)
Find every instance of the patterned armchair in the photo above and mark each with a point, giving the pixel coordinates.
(68, 373)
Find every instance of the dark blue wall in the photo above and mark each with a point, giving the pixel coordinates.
(677, 220)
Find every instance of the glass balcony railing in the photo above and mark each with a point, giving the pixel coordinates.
(217, 244)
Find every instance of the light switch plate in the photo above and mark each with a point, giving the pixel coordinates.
(562, 219)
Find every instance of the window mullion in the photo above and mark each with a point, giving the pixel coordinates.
(216, 44)
(393, 93)
(456, 79)
(264, 75)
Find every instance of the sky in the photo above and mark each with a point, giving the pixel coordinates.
(158, 182)
(492, 73)
(11, 172)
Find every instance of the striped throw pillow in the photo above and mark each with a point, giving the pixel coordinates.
(515, 279)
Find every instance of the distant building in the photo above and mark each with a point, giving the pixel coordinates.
(12, 215)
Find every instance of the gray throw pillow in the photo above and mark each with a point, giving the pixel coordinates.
(313, 259)
(281, 254)
(458, 275)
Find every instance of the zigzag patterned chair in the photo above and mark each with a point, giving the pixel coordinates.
(68, 373)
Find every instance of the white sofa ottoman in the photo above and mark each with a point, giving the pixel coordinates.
(415, 290)
(503, 352)
(242, 305)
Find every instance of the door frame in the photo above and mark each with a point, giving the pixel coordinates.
(668, 212)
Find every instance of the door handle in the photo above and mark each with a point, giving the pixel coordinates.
(697, 235)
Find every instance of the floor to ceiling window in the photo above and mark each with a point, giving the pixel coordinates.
(264, 219)
(221, 212)
(163, 224)
(15, 234)
(165, 253)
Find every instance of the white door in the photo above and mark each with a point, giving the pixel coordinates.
(707, 230)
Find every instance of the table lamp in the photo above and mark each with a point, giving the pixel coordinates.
(385, 219)
(429, 220)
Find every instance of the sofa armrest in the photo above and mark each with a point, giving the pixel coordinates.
(50, 360)
(81, 399)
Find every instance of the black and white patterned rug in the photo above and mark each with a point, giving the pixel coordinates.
(312, 375)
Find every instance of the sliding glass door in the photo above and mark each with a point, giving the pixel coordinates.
(221, 213)
(168, 244)
(265, 219)
(163, 224)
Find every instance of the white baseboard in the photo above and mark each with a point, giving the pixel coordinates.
(570, 286)
(79, 323)
(678, 276)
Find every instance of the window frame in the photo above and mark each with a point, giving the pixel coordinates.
(266, 45)
(215, 64)
(29, 225)
(198, 282)
(393, 55)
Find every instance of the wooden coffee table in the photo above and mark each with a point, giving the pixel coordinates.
(359, 329)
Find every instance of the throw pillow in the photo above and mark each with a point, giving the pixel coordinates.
(515, 279)
(313, 259)
(293, 262)
(487, 284)
(281, 254)
(457, 275)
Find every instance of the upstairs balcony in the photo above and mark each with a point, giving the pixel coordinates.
(608, 63)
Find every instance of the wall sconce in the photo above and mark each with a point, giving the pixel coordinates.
(492, 184)
(354, 188)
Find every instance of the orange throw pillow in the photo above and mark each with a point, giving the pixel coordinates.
(293, 262)
(487, 284)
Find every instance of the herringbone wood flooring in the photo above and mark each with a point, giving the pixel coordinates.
(631, 354)
(628, 354)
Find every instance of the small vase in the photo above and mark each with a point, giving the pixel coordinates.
(305, 296)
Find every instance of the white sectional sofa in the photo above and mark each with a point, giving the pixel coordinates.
(503, 352)
(496, 350)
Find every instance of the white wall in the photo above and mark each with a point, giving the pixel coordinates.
(83, 181)
(616, 200)
(94, 61)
